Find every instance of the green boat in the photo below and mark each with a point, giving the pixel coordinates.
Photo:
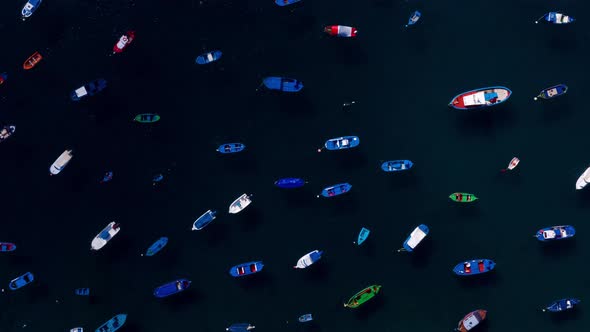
(463, 197)
(363, 296)
(147, 118)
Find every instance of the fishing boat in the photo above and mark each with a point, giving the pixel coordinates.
(108, 176)
(61, 162)
(363, 235)
(341, 31)
(147, 118)
(283, 3)
(240, 327)
(414, 17)
(204, 220)
(335, 190)
(463, 197)
(77, 329)
(208, 57)
(512, 164)
(88, 89)
(21, 281)
(363, 296)
(282, 84)
(474, 266)
(305, 318)
(123, 42)
(397, 165)
(245, 269)
(562, 305)
(480, 98)
(3, 78)
(113, 324)
(471, 320)
(105, 236)
(157, 246)
(6, 132)
(290, 183)
(231, 148)
(341, 143)
(29, 8)
(82, 291)
(308, 259)
(552, 92)
(7, 247)
(414, 239)
(583, 180)
(240, 203)
(157, 178)
(556, 18)
(555, 233)
(32, 61)
(172, 288)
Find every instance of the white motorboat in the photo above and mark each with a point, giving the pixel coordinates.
(60, 163)
(240, 203)
(308, 259)
(77, 329)
(583, 180)
(104, 236)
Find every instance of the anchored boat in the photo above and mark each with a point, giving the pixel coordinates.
(282, 84)
(123, 42)
(552, 92)
(113, 324)
(562, 305)
(341, 31)
(157, 246)
(341, 143)
(172, 288)
(3, 78)
(21, 281)
(583, 180)
(89, 89)
(204, 220)
(305, 318)
(414, 17)
(335, 190)
(463, 197)
(555, 233)
(556, 18)
(283, 3)
(240, 327)
(363, 235)
(105, 236)
(6, 132)
(417, 235)
(363, 296)
(29, 8)
(7, 247)
(308, 259)
(240, 203)
(231, 148)
(474, 266)
(61, 162)
(290, 183)
(82, 291)
(208, 57)
(396, 165)
(77, 329)
(245, 269)
(147, 118)
(480, 98)
(471, 320)
(511, 165)
(32, 61)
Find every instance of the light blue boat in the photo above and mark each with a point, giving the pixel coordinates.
(204, 220)
(29, 8)
(21, 281)
(113, 324)
(282, 84)
(335, 190)
(342, 143)
(363, 235)
(414, 239)
(157, 246)
(231, 148)
(414, 17)
(397, 165)
(208, 57)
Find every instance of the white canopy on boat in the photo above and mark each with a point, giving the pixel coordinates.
(473, 99)
(550, 234)
(210, 57)
(583, 180)
(416, 237)
(81, 92)
(104, 236)
(61, 162)
(470, 322)
(306, 260)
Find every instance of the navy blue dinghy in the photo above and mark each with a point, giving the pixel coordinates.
(157, 246)
(341, 143)
(562, 305)
(231, 148)
(282, 84)
(289, 183)
(555, 233)
(208, 57)
(89, 89)
(556, 18)
(335, 190)
(474, 266)
(283, 3)
(552, 92)
(245, 269)
(171, 288)
(82, 291)
(397, 165)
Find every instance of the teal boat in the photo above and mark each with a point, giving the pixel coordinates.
(157, 246)
(363, 235)
(113, 324)
(147, 118)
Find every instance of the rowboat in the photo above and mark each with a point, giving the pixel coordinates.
(552, 92)
(555, 233)
(396, 165)
(463, 197)
(414, 17)
(172, 288)
(283, 3)
(61, 162)
(147, 118)
(77, 329)
(562, 305)
(204, 220)
(32, 61)
(512, 164)
(290, 183)
(21, 281)
(471, 320)
(29, 8)
(245, 269)
(467, 268)
(82, 291)
(108, 176)
(480, 98)
(363, 296)
(89, 89)
(308, 259)
(123, 42)
(231, 148)
(305, 318)
(157, 246)
(363, 235)
(335, 190)
(6, 132)
(341, 31)
(113, 324)
(282, 84)
(414, 239)
(208, 57)
(240, 203)
(105, 236)
(7, 246)
(556, 18)
(240, 327)
(341, 143)
(583, 180)
(3, 77)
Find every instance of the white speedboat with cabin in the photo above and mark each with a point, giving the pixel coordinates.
(240, 203)
(308, 259)
(104, 236)
(583, 180)
(60, 163)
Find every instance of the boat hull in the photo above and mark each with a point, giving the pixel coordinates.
(363, 296)
(61, 162)
(341, 31)
(89, 89)
(204, 220)
(397, 165)
(583, 180)
(416, 237)
(554, 233)
(480, 98)
(231, 148)
(337, 189)
(32, 61)
(146, 118)
(7, 247)
(562, 305)
(290, 183)
(82, 291)
(105, 236)
(282, 84)
(305, 318)
(21, 281)
(474, 266)
(414, 17)
(172, 288)
(208, 57)
(113, 324)
(29, 8)
(553, 91)
(240, 327)
(308, 259)
(463, 197)
(558, 18)
(342, 143)
(245, 269)
(471, 320)
(124, 41)
(157, 246)
(363, 235)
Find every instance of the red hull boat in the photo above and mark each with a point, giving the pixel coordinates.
(480, 98)
(341, 31)
(124, 41)
(471, 320)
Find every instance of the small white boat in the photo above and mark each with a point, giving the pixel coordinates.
(104, 236)
(60, 163)
(240, 203)
(513, 163)
(77, 329)
(308, 259)
(583, 180)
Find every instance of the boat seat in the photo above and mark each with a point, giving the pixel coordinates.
(241, 270)
(481, 266)
(253, 268)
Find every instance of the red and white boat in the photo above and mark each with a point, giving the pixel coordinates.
(480, 98)
(123, 42)
(471, 320)
(341, 31)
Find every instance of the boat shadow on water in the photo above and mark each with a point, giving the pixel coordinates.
(403, 181)
(344, 52)
(555, 110)
(118, 249)
(420, 258)
(480, 281)
(37, 292)
(295, 103)
(251, 219)
(556, 249)
(256, 281)
(559, 318)
(317, 272)
(484, 122)
(353, 159)
(346, 205)
(364, 312)
(216, 235)
(298, 198)
(244, 162)
(182, 301)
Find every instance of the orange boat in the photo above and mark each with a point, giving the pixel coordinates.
(32, 61)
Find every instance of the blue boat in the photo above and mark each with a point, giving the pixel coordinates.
(108, 176)
(363, 235)
(283, 3)
(480, 98)
(171, 288)
(240, 327)
(245, 269)
(7, 247)
(552, 92)
(3, 77)
(21, 281)
(231, 148)
(157, 178)
(204, 220)
(290, 183)
(562, 305)
(305, 318)
(555, 233)
(82, 291)
(29, 8)
(308, 259)
(113, 324)
(341, 143)
(89, 89)
(282, 84)
(397, 165)
(157, 246)
(474, 266)
(414, 17)
(208, 57)
(556, 18)
(414, 239)
(335, 190)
